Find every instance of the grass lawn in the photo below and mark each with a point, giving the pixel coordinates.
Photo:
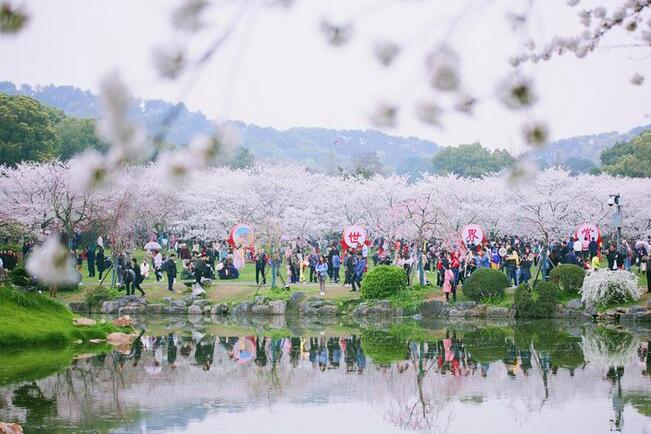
(35, 320)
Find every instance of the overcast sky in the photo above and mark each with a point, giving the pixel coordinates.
(277, 69)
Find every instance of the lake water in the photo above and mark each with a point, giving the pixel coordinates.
(202, 375)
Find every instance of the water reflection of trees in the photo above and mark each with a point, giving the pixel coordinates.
(417, 377)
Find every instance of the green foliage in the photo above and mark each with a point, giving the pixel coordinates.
(471, 161)
(569, 277)
(485, 283)
(244, 159)
(31, 131)
(383, 281)
(27, 130)
(548, 294)
(384, 348)
(19, 277)
(76, 135)
(539, 305)
(98, 295)
(630, 158)
(522, 295)
(577, 165)
(366, 165)
(410, 299)
(28, 319)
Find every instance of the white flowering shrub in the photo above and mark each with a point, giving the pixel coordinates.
(606, 287)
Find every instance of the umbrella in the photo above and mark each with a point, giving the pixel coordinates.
(152, 245)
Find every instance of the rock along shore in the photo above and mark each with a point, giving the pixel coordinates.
(299, 304)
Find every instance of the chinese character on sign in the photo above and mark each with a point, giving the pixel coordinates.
(354, 237)
(587, 232)
(472, 235)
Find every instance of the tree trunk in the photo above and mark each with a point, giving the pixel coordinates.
(421, 270)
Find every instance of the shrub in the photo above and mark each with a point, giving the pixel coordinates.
(100, 294)
(523, 301)
(602, 288)
(485, 283)
(19, 277)
(545, 303)
(569, 277)
(383, 281)
(540, 306)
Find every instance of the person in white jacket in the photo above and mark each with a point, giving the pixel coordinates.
(158, 264)
(144, 269)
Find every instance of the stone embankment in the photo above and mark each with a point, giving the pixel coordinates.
(299, 304)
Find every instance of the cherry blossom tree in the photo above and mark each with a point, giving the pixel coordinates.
(40, 197)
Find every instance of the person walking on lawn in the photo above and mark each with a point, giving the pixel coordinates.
(360, 269)
(138, 277)
(322, 273)
(170, 269)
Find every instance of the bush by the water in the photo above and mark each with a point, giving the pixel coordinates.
(383, 281)
(100, 294)
(540, 304)
(569, 277)
(603, 288)
(485, 283)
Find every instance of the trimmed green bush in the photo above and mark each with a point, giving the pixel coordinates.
(485, 283)
(383, 281)
(569, 277)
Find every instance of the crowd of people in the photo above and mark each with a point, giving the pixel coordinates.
(446, 264)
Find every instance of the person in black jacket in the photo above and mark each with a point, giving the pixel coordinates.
(128, 279)
(614, 258)
(101, 261)
(593, 248)
(350, 267)
(138, 276)
(170, 269)
(90, 255)
(260, 265)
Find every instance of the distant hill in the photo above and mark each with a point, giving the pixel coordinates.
(584, 150)
(321, 148)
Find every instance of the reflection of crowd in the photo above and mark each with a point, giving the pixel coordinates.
(450, 355)
(324, 353)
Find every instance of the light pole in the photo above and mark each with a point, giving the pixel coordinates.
(617, 217)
